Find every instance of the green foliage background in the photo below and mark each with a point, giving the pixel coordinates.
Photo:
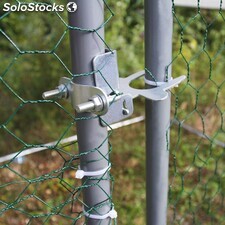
(196, 173)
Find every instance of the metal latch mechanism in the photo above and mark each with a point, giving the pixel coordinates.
(112, 97)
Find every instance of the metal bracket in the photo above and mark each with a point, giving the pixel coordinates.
(156, 94)
(107, 78)
(112, 97)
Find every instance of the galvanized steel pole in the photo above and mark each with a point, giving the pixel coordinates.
(85, 45)
(158, 54)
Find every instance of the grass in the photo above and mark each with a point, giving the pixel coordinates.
(196, 180)
(196, 188)
(16, 183)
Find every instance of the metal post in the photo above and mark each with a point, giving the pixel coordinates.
(85, 45)
(158, 50)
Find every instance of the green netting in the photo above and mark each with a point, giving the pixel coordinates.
(34, 54)
(40, 188)
(196, 191)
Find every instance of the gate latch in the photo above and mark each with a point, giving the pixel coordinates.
(112, 96)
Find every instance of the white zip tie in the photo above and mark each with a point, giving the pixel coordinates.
(80, 173)
(111, 214)
(155, 83)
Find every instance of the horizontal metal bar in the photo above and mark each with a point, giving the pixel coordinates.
(66, 140)
(200, 134)
(35, 150)
(115, 126)
(204, 4)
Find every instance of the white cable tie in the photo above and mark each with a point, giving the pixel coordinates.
(111, 214)
(80, 173)
(156, 83)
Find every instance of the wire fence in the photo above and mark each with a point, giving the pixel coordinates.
(196, 191)
(40, 189)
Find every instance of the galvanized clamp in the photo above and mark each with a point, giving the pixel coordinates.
(112, 97)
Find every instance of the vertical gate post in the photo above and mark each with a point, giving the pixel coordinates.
(158, 54)
(85, 45)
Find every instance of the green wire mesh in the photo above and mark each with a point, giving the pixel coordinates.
(33, 190)
(197, 178)
(40, 189)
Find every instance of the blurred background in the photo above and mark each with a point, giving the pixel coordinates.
(35, 53)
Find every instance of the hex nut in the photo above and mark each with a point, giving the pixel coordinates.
(98, 102)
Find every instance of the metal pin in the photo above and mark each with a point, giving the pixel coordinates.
(60, 92)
